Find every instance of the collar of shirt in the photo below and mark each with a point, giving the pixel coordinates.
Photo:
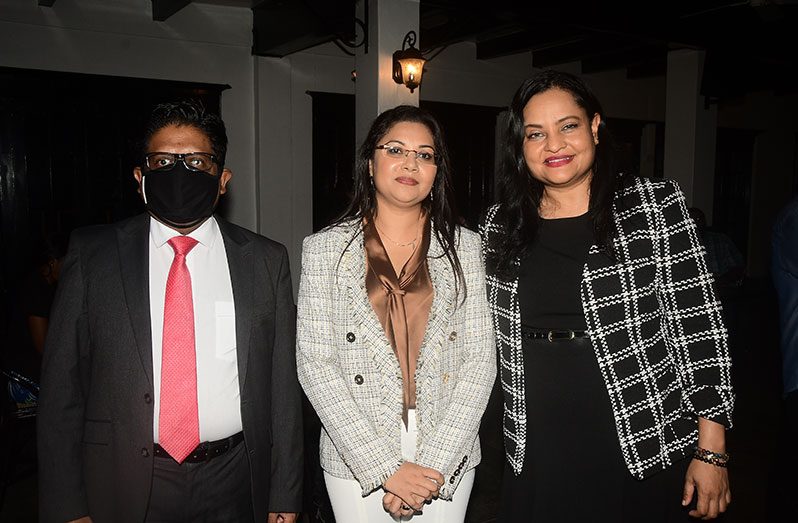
(205, 234)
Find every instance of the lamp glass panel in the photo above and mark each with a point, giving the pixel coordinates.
(412, 69)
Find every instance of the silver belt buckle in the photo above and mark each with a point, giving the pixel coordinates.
(571, 335)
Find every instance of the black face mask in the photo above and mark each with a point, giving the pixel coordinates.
(180, 197)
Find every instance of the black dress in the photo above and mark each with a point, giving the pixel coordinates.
(573, 467)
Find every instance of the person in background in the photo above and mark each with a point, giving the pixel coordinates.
(395, 348)
(30, 311)
(784, 272)
(724, 259)
(614, 359)
(169, 389)
(38, 289)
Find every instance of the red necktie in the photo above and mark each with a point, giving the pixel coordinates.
(178, 421)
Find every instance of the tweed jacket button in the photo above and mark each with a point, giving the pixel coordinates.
(359, 379)
(453, 336)
(451, 480)
(145, 452)
(350, 337)
(147, 398)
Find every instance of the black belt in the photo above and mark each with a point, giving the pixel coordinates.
(528, 333)
(205, 451)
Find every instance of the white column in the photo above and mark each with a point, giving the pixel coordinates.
(375, 91)
(690, 130)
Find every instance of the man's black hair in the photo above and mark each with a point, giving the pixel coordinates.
(187, 112)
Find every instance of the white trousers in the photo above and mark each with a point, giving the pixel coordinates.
(350, 506)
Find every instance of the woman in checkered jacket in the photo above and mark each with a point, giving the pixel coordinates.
(614, 367)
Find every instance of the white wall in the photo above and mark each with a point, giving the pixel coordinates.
(201, 43)
(456, 76)
(285, 135)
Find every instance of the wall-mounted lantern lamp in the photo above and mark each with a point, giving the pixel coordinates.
(408, 64)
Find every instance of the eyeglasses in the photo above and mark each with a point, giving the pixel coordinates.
(204, 162)
(398, 152)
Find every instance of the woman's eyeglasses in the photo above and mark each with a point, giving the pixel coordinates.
(398, 152)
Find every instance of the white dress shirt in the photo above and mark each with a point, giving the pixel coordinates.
(218, 393)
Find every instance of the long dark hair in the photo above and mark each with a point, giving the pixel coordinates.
(439, 206)
(520, 193)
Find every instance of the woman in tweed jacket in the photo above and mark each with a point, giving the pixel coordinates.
(614, 358)
(395, 347)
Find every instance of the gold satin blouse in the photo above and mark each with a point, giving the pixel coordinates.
(402, 303)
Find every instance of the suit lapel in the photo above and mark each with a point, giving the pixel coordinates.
(443, 303)
(133, 245)
(240, 263)
(353, 271)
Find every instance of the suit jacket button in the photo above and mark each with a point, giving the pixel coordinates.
(453, 336)
(359, 379)
(350, 337)
(451, 480)
(147, 398)
(145, 452)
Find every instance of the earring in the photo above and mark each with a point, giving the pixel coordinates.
(595, 139)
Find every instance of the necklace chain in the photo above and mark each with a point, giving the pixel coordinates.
(398, 244)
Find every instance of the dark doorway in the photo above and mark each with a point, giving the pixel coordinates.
(333, 155)
(470, 133)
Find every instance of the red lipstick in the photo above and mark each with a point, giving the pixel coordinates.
(558, 161)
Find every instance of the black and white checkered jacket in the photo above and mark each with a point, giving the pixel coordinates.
(655, 325)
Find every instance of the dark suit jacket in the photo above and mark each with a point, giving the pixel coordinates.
(95, 413)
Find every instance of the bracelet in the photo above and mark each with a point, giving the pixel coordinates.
(719, 459)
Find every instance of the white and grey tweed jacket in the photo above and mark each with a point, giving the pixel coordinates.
(655, 326)
(352, 378)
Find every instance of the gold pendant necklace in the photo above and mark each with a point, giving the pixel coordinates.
(398, 244)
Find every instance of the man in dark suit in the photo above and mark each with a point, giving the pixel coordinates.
(169, 389)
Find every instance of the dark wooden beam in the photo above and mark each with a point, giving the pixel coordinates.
(163, 9)
(282, 28)
(527, 40)
(639, 60)
(46, 3)
(440, 27)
